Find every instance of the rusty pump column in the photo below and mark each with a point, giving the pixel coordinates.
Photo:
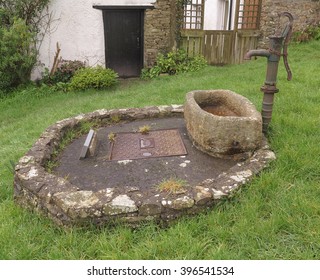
(277, 43)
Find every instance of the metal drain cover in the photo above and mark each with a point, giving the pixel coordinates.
(157, 143)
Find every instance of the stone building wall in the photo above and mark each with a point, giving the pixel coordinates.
(305, 12)
(159, 29)
(160, 23)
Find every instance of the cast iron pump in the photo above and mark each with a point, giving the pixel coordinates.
(278, 48)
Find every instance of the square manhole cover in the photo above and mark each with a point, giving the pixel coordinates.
(157, 143)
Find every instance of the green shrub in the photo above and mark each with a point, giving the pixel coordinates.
(18, 54)
(93, 77)
(174, 62)
(20, 25)
(311, 32)
(31, 12)
(65, 71)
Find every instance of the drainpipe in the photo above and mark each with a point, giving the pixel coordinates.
(273, 54)
(230, 14)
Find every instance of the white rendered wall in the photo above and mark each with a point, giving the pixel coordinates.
(215, 14)
(78, 28)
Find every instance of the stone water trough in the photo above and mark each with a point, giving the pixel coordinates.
(68, 200)
(223, 123)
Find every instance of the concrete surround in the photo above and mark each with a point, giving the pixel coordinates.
(66, 204)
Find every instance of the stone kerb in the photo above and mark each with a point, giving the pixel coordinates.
(67, 204)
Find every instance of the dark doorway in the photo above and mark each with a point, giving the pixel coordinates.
(124, 41)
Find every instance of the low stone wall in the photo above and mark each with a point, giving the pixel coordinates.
(305, 12)
(67, 204)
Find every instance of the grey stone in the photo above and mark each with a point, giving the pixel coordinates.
(203, 195)
(150, 208)
(226, 136)
(79, 199)
(121, 204)
(181, 203)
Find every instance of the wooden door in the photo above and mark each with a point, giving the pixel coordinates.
(124, 41)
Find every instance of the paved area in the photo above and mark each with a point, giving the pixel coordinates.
(99, 172)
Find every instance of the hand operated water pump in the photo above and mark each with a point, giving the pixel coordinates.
(278, 48)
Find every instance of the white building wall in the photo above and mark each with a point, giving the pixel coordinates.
(78, 28)
(216, 14)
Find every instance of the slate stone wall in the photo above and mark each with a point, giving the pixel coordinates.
(160, 23)
(305, 12)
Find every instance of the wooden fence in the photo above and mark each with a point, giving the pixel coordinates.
(219, 47)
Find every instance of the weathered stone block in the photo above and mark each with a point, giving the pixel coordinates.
(222, 123)
(121, 204)
(181, 203)
(203, 195)
(150, 208)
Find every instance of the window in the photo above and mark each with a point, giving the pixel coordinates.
(249, 14)
(193, 14)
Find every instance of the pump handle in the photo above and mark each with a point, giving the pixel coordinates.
(287, 32)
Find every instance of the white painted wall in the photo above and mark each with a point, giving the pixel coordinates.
(78, 28)
(216, 14)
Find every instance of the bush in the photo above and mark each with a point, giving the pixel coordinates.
(18, 54)
(93, 77)
(20, 25)
(64, 72)
(174, 62)
(311, 32)
(31, 12)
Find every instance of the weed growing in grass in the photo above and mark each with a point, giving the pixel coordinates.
(67, 138)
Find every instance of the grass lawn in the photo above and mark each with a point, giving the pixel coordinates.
(276, 216)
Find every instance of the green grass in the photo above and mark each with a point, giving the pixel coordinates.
(276, 216)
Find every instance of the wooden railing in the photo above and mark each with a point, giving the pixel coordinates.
(219, 47)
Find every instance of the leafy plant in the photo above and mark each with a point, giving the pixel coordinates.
(64, 72)
(20, 25)
(61, 86)
(180, 7)
(17, 53)
(174, 62)
(93, 77)
(311, 32)
(31, 12)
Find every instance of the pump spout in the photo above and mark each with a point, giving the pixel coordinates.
(252, 53)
